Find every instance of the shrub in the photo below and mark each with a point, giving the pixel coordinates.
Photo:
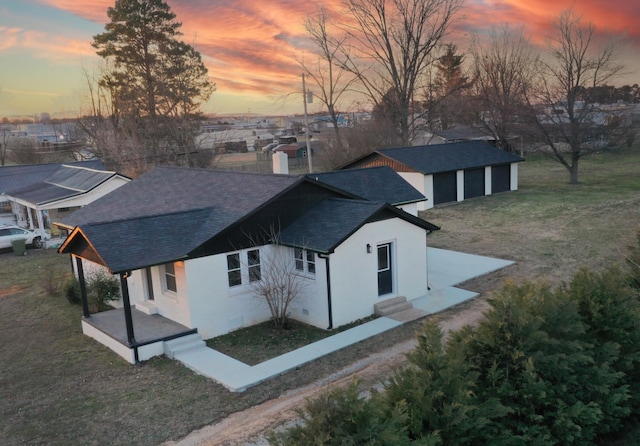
(102, 288)
(71, 289)
(345, 417)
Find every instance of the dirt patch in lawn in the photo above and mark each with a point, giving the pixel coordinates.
(59, 387)
(9, 291)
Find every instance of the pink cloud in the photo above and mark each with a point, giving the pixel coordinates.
(251, 47)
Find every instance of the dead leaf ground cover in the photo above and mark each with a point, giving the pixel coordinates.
(58, 387)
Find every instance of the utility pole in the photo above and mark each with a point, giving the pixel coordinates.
(306, 122)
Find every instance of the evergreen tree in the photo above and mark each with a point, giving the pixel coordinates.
(155, 83)
(531, 354)
(345, 417)
(610, 310)
(438, 391)
(446, 102)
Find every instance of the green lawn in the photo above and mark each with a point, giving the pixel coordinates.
(253, 345)
(59, 387)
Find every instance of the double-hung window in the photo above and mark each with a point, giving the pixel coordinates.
(253, 262)
(305, 260)
(170, 277)
(243, 267)
(234, 270)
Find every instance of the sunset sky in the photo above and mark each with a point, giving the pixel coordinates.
(250, 47)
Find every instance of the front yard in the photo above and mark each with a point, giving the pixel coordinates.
(58, 387)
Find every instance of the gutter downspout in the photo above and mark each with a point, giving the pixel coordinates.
(330, 311)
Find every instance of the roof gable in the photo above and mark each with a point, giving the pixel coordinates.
(331, 222)
(136, 243)
(380, 183)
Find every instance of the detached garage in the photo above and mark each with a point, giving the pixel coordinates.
(452, 172)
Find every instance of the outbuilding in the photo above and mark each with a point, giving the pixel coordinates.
(446, 173)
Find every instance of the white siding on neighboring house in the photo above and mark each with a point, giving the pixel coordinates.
(487, 180)
(514, 176)
(424, 184)
(84, 199)
(411, 208)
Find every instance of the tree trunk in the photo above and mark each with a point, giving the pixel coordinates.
(573, 171)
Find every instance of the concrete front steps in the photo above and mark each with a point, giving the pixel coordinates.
(391, 306)
(398, 309)
(175, 347)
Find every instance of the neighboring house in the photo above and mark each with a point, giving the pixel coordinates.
(380, 183)
(13, 178)
(187, 244)
(64, 190)
(458, 133)
(446, 173)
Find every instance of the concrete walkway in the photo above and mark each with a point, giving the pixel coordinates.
(446, 269)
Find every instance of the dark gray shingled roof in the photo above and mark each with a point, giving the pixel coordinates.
(380, 183)
(332, 221)
(449, 157)
(166, 190)
(65, 182)
(149, 240)
(18, 177)
(165, 214)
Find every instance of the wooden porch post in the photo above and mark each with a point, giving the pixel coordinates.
(83, 287)
(127, 308)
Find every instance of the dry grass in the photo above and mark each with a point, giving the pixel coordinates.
(58, 387)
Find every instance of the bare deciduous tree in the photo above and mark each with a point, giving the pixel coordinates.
(4, 132)
(274, 278)
(504, 70)
(393, 43)
(569, 123)
(332, 80)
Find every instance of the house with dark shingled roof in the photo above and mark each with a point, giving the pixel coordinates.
(32, 195)
(446, 173)
(188, 246)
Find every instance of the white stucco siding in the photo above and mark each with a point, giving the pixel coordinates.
(354, 280)
(215, 307)
(172, 305)
(311, 307)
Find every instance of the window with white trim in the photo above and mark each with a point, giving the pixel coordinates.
(170, 283)
(305, 260)
(5, 207)
(244, 267)
(234, 270)
(253, 264)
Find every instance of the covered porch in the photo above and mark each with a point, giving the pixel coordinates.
(150, 332)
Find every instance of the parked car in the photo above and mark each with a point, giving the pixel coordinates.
(10, 233)
(269, 147)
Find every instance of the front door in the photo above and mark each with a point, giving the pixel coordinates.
(385, 270)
